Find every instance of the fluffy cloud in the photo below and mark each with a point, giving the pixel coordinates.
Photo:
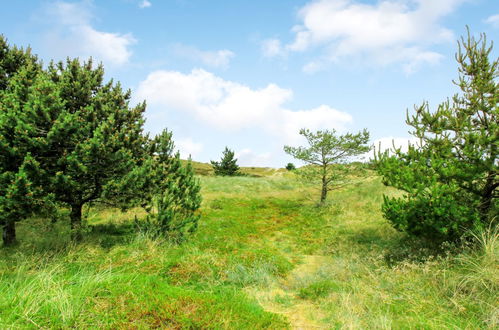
(247, 157)
(217, 59)
(397, 31)
(493, 20)
(145, 4)
(272, 47)
(231, 106)
(187, 147)
(71, 34)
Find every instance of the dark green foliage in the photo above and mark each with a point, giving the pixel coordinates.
(69, 139)
(109, 159)
(227, 165)
(95, 139)
(12, 59)
(326, 157)
(290, 167)
(450, 177)
(176, 209)
(24, 95)
(174, 192)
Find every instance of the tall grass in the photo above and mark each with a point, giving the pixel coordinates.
(265, 256)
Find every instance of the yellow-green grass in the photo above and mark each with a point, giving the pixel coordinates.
(206, 169)
(265, 256)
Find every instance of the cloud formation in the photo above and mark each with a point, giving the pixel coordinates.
(272, 48)
(247, 157)
(396, 31)
(187, 147)
(72, 34)
(230, 106)
(217, 59)
(145, 4)
(493, 20)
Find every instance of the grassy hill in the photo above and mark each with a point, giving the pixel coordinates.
(264, 257)
(206, 169)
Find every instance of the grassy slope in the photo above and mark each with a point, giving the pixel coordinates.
(264, 257)
(206, 169)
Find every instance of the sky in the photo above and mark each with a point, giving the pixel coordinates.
(248, 74)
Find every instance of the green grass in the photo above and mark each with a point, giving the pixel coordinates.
(318, 289)
(264, 257)
(206, 169)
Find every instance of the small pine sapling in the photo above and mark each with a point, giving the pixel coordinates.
(227, 165)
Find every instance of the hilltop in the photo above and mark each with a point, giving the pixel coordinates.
(207, 170)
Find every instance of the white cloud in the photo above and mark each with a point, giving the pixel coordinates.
(72, 34)
(231, 106)
(188, 147)
(145, 4)
(247, 157)
(322, 117)
(493, 20)
(396, 31)
(217, 59)
(313, 66)
(272, 47)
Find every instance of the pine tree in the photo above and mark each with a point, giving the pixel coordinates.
(12, 59)
(227, 165)
(25, 93)
(326, 156)
(69, 139)
(95, 140)
(451, 175)
(167, 189)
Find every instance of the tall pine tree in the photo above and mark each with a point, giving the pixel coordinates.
(25, 94)
(97, 138)
(69, 139)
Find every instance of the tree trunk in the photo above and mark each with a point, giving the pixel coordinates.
(9, 233)
(324, 191)
(76, 221)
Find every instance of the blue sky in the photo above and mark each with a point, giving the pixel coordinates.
(249, 74)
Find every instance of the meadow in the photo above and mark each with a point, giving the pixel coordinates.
(264, 256)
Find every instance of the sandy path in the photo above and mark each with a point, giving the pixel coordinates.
(282, 298)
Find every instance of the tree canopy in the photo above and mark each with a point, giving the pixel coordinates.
(326, 154)
(68, 139)
(24, 93)
(95, 139)
(450, 177)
